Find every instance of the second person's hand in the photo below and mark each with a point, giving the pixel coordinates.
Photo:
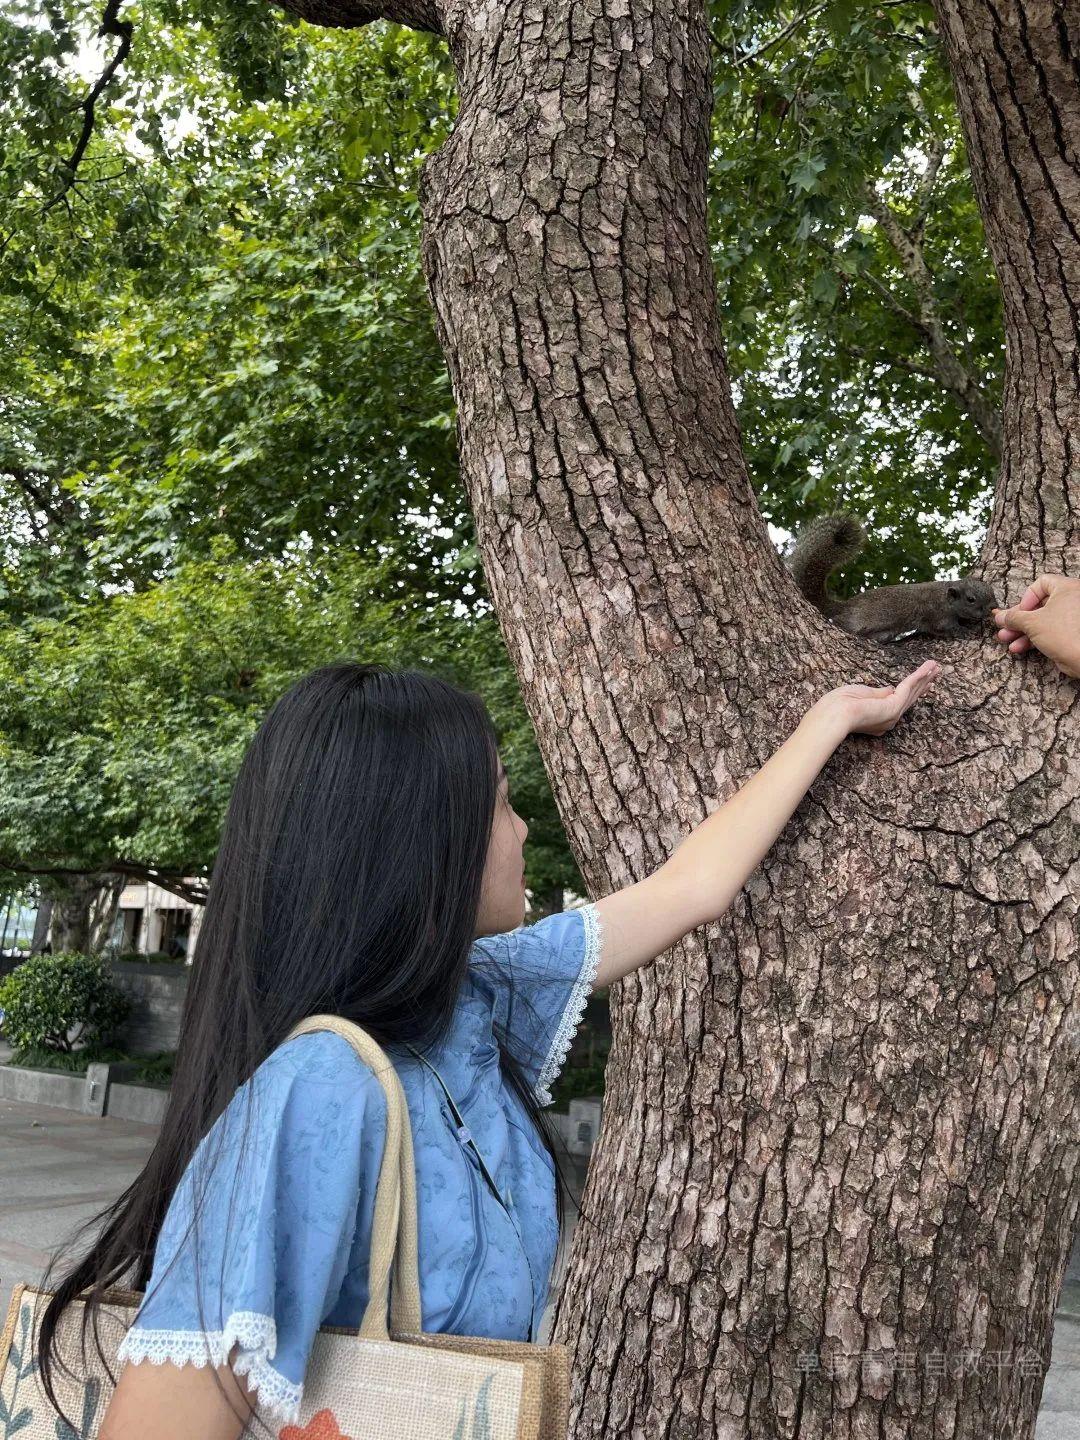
(1048, 618)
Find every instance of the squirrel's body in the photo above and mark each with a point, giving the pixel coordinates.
(946, 608)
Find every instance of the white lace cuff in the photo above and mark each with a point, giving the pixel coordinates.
(575, 1005)
(257, 1336)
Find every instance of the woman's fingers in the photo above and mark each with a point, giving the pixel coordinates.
(919, 681)
(886, 703)
(1015, 640)
(911, 689)
(1033, 598)
(1041, 590)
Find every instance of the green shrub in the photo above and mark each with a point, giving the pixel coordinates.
(156, 1070)
(155, 957)
(34, 1057)
(49, 995)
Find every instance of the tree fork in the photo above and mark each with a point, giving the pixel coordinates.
(842, 1119)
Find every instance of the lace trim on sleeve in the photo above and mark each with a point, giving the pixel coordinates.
(575, 1005)
(257, 1335)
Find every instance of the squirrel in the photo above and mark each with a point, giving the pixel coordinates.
(945, 608)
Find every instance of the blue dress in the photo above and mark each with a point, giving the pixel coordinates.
(282, 1245)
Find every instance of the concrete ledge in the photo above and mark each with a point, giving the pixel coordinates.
(156, 991)
(40, 1087)
(106, 1090)
(95, 1093)
(144, 1103)
(168, 969)
(1069, 1300)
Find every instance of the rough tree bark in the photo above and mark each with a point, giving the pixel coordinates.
(842, 1121)
(42, 922)
(104, 909)
(72, 919)
(1016, 68)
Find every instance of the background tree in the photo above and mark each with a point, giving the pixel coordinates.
(203, 418)
(122, 726)
(211, 294)
(220, 322)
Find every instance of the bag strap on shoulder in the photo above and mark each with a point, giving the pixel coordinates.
(393, 1231)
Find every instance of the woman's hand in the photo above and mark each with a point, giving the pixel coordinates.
(873, 710)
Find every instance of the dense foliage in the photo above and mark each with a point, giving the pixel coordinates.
(60, 1002)
(854, 278)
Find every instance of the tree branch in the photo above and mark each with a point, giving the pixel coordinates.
(110, 25)
(762, 49)
(947, 364)
(879, 289)
(893, 361)
(350, 14)
(925, 189)
(174, 881)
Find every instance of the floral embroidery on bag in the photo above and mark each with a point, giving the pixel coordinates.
(323, 1425)
(21, 1364)
(91, 1392)
(481, 1426)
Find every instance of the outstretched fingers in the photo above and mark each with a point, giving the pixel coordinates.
(914, 686)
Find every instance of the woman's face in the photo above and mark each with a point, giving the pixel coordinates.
(502, 895)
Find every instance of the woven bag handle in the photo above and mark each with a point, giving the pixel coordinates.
(393, 1230)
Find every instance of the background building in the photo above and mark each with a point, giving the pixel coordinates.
(152, 921)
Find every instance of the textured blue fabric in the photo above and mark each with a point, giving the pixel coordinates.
(284, 1242)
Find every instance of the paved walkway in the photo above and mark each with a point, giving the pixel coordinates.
(59, 1168)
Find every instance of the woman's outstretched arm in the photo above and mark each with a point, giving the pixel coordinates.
(709, 867)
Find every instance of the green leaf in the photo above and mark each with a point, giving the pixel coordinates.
(825, 287)
(805, 174)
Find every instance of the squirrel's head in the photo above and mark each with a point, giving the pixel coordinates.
(970, 600)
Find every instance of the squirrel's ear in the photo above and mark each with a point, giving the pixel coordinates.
(954, 592)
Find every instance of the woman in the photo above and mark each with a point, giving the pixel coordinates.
(371, 866)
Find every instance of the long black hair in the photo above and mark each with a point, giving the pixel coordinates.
(348, 880)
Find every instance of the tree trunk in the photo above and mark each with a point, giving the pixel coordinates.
(1016, 68)
(103, 911)
(840, 1123)
(71, 915)
(42, 922)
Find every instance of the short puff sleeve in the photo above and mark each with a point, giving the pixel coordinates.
(279, 1215)
(537, 980)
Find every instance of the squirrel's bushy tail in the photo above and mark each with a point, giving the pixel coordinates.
(826, 542)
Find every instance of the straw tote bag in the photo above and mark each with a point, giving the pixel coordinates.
(380, 1383)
